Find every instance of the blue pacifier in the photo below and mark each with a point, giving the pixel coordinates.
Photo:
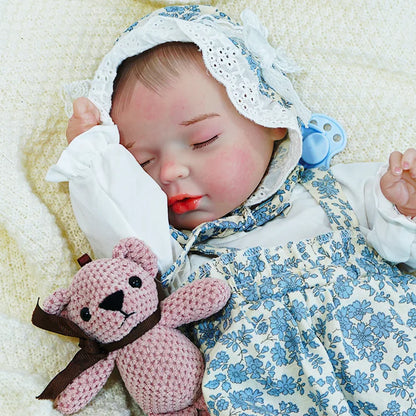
(322, 139)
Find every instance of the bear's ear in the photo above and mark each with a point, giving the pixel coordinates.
(56, 302)
(135, 250)
(84, 259)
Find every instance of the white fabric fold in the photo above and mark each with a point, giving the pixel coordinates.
(112, 196)
(392, 227)
(391, 233)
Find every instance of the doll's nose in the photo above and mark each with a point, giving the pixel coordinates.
(172, 169)
(113, 302)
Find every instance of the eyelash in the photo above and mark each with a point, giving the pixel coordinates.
(145, 163)
(194, 147)
(205, 143)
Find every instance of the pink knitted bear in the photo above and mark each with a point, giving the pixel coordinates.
(108, 298)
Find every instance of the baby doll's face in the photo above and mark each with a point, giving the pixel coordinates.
(205, 156)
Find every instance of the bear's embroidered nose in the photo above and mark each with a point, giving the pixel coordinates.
(113, 302)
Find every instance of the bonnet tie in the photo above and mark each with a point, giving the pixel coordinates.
(242, 219)
(91, 351)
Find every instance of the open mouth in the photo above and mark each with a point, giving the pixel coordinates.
(180, 204)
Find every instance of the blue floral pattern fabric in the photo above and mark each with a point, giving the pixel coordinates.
(317, 327)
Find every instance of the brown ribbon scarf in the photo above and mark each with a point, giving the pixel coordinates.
(91, 351)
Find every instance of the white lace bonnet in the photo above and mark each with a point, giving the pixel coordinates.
(237, 55)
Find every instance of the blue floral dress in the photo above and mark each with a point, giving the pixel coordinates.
(323, 326)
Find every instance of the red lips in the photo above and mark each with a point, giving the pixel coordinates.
(180, 204)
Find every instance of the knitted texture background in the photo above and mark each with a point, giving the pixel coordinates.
(359, 67)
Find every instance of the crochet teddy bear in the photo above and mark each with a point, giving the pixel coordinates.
(114, 307)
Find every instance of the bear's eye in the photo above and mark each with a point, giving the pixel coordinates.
(85, 314)
(135, 281)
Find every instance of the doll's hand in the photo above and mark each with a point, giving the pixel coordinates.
(398, 184)
(85, 116)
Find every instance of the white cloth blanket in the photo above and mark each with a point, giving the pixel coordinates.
(359, 67)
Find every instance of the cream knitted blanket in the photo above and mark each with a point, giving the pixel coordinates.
(359, 67)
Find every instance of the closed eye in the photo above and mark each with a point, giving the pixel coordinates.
(144, 164)
(205, 143)
(129, 146)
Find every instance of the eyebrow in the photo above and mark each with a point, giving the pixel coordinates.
(198, 118)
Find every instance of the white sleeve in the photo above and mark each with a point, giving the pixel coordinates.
(112, 196)
(391, 233)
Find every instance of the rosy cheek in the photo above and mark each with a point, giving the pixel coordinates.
(241, 161)
(228, 170)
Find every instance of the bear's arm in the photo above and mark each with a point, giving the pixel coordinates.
(85, 387)
(197, 300)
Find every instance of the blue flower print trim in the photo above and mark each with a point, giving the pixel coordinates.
(255, 67)
(192, 12)
(131, 27)
(327, 191)
(182, 12)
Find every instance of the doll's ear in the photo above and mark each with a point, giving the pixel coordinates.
(137, 251)
(279, 134)
(56, 302)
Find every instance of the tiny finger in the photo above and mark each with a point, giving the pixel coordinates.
(409, 161)
(395, 163)
(85, 110)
